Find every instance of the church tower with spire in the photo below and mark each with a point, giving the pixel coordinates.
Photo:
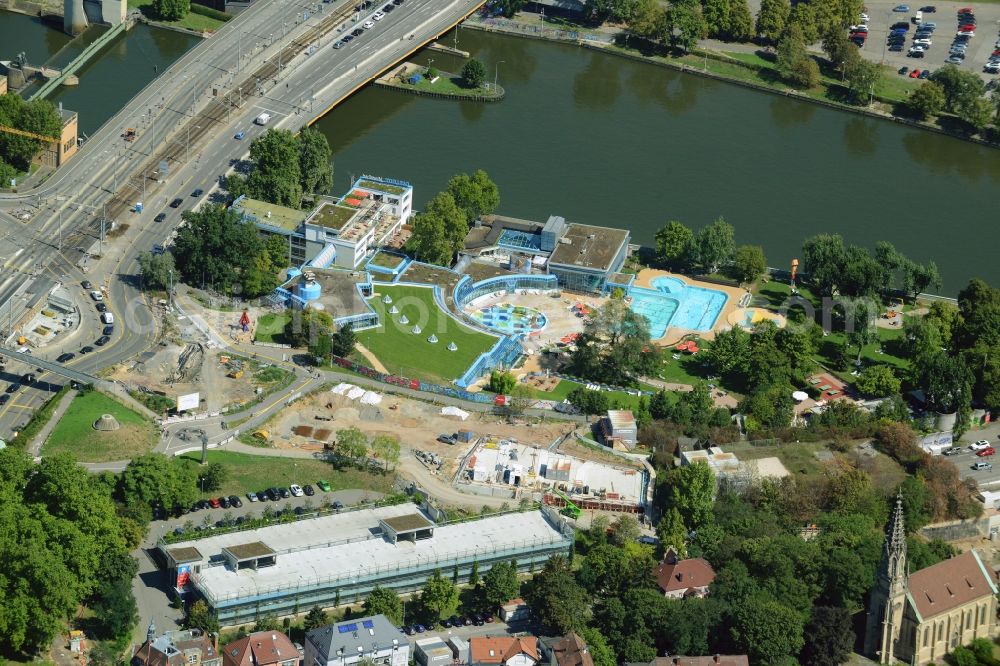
(886, 605)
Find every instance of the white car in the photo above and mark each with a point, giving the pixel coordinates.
(864, 17)
(918, 48)
(296, 490)
(378, 16)
(368, 25)
(979, 446)
(992, 68)
(971, 33)
(997, 45)
(922, 42)
(96, 295)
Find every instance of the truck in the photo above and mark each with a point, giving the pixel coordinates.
(263, 119)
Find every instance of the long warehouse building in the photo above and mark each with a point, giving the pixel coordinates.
(286, 568)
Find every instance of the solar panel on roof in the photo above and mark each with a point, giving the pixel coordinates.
(367, 624)
(347, 628)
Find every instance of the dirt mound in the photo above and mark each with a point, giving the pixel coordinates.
(303, 430)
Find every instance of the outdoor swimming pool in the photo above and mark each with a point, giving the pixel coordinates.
(510, 319)
(672, 302)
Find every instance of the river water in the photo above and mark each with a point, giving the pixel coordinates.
(106, 82)
(608, 141)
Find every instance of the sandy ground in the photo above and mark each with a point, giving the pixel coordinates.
(416, 424)
(207, 377)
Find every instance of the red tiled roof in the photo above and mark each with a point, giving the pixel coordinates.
(684, 574)
(571, 650)
(498, 649)
(949, 584)
(259, 649)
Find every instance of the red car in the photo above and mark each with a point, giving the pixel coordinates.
(988, 451)
(965, 10)
(996, 53)
(214, 501)
(966, 28)
(915, 74)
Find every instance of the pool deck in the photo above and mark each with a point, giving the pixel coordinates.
(674, 334)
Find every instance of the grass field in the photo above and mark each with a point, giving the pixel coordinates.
(411, 355)
(75, 434)
(246, 472)
(192, 21)
(449, 84)
(271, 327)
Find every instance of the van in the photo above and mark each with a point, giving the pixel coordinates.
(263, 119)
(982, 465)
(107, 318)
(918, 17)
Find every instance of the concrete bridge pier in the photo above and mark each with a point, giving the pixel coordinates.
(74, 17)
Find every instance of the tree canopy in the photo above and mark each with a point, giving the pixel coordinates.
(38, 116)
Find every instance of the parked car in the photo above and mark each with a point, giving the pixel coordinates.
(378, 16)
(197, 193)
(101, 341)
(928, 9)
(224, 502)
(982, 464)
(86, 350)
(68, 356)
(338, 44)
(108, 330)
(323, 485)
(901, 8)
(954, 59)
(357, 32)
(285, 494)
(273, 494)
(87, 285)
(979, 445)
(239, 135)
(368, 25)
(253, 497)
(176, 203)
(214, 502)
(14, 388)
(408, 630)
(96, 295)
(296, 490)
(925, 74)
(308, 490)
(337, 504)
(988, 451)
(235, 501)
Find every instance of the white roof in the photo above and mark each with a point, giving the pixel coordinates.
(369, 557)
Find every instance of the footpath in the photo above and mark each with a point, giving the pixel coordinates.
(35, 447)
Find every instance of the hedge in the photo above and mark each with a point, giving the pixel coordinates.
(209, 12)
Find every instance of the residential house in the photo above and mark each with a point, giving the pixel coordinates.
(192, 647)
(682, 578)
(347, 643)
(261, 648)
(503, 650)
(568, 650)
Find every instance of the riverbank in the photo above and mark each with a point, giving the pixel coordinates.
(412, 79)
(747, 69)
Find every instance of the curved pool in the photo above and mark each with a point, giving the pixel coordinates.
(673, 302)
(510, 319)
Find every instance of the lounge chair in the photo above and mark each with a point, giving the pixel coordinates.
(814, 381)
(825, 387)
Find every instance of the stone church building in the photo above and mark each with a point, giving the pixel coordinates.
(918, 618)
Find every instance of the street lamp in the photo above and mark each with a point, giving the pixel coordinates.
(496, 69)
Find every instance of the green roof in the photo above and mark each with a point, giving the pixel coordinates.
(280, 216)
(332, 216)
(381, 187)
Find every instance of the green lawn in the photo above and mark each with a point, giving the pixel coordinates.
(271, 327)
(75, 433)
(798, 458)
(411, 355)
(448, 84)
(246, 472)
(192, 21)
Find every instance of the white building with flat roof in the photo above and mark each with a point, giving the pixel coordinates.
(282, 569)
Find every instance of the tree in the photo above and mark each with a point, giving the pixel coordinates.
(342, 342)
(597, 646)
(878, 381)
(38, 116)
(960, 87)
(838, 48)
(502, 382)
(741, 24)
(927, 100)
(860, 325)
(685, 24)
(474, 73)
(772, 18)
(500, 584)
(386, 448)
(671, 531)
(511, 7)
(765, 629)
(156, 270)
(715, 244)
(978, 113)
(716, 13)
(829, 637)
(115, 608)
(824, 257)
(321, 348)
(625, 530)
(352, 444)
(315, 618)
(691, 492)
(674, 244)
(557, 601)
(215, 248)
(439, 597)
(476, 195)
(793, 63)
(171, 10)
(770, 407)
(212, 476)
(199, 616)
(918, 278)
(439, 230)
(153, 479)
(474, 574)
(862, 76)
(305, 327)
(749, 263)
(648, 20)
(383, 601)
(277, 172)
(315, 161)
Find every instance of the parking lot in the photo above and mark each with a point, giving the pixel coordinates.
(988, 479)
(980, 47)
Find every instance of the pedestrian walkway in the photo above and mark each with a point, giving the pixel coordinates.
(35, 447)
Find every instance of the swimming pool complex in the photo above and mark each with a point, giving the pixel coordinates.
(672, 302)
(510, 319)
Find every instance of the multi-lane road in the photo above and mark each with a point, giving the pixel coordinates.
(188, 116)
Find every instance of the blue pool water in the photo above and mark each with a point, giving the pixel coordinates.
(672, 302)
(510, 319)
